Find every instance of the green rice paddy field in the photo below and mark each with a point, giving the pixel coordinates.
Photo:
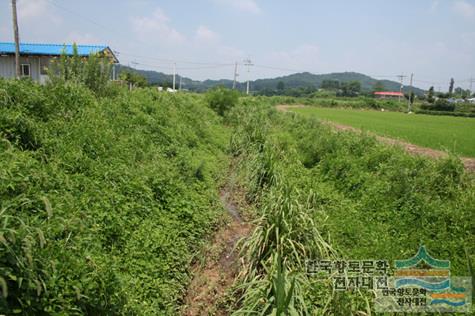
(455, 134)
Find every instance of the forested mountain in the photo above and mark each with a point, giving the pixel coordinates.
(293, 81)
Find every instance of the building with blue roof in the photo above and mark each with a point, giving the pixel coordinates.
(35, 58)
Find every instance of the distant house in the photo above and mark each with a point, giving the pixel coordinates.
(388, 94)
(35, 58)
(472, 100)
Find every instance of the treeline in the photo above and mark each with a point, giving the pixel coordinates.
(329, 87)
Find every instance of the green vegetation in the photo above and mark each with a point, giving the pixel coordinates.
(440, 132)
(323, 99)
(221, 100)
(106, 195)
(297, 85)
(94, 72)
(133, 79)
(103, 200)
(326, 194)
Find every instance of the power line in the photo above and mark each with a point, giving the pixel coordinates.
(81, 16)
(409, 101)
(235, 75)
(401, 78)
(177, 68)
(248, 63)
(171, 61)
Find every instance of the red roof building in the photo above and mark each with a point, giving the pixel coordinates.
(386, 94)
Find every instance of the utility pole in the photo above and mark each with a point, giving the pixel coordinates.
(174, 75)
(471, 83)
(17, 40)
(248, 63)
(235, 75)
(409, 103)
(401, 78)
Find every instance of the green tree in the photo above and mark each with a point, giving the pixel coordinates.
(221, 99)
(93, 71)
(430, 95)
(462, 93)
(330, 85)
(378, 86)
(350, 89)
(451, 86)
(133, 79)
(280, 86)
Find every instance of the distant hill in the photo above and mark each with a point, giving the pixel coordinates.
(306, 79)
(297, 80)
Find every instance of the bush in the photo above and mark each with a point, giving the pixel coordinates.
(221, 100)
(461, 114)
(103, 200)
(371, 200)
(94, 73)
(439, 105)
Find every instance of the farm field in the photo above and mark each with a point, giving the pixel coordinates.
(455, 134)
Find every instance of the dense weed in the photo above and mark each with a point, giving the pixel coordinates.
(327, 194)
(103, 200)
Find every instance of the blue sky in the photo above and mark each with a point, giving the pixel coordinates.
(435, 39)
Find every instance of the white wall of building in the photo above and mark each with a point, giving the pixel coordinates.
(37, 67)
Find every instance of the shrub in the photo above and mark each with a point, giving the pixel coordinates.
(94, 72)
(221, 100)
(103, 200)
(439, 105)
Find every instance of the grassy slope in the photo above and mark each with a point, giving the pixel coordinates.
(440, 132)
(103, 201)
(367, 200)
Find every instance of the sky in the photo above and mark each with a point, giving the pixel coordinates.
(434, 39)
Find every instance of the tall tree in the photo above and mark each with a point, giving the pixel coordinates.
(330, 84)
(350, 89)
(280, 86)
(430, 95)
(451, 86)
(378, 86)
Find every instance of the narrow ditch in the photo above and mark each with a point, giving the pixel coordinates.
(215, 273)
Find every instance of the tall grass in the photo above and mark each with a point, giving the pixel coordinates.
(273, 280)
(327, 194)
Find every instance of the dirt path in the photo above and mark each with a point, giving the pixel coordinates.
(469, 163)
(220, 264)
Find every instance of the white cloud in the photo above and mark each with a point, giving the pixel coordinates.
(304, 57)
(204, 35)
(6, 30)
(434, 6)
(155, 26)
(82, 38)
(464, 8)
(29, 10)
(229, 53)
(249, 6)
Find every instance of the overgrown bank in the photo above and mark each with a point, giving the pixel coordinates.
(328, 194)
(103, 200)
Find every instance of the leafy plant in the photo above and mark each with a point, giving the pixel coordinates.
(221, 100)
